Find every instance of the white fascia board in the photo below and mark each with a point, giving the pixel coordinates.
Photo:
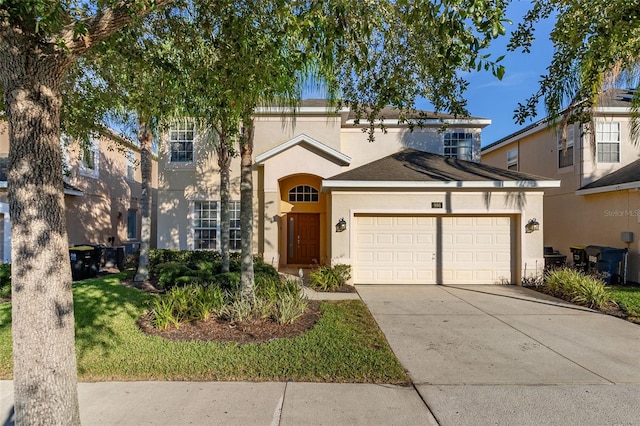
(535, 128)
(342, 159)
(610, 188)
(471, 122)
(526, 184)
(612, 110)
(301, 110)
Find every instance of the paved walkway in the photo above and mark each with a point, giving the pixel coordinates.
(480, 355)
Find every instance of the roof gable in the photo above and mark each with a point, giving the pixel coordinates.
(311, 144)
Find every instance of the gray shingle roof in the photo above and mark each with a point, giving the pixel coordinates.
(418, 166)
(627, 174)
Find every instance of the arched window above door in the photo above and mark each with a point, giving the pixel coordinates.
(303, 194)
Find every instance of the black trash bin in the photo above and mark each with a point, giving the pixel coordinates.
(84, 262)
(114, 257)
(609, 261)
(579, 255)
(553, 258)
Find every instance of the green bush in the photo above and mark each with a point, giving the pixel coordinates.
(290, 307)
(174, 273)
(229, 281)
(578, 287)
(329, 278)
(5, 280)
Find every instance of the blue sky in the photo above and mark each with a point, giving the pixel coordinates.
(491, 98)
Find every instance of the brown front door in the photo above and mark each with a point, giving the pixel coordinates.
(303, 238)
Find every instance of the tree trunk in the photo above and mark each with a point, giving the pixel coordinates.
(145, 136)
(224, 162)
(44, 360)
(246, 211)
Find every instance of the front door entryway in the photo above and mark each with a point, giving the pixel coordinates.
(303, 238)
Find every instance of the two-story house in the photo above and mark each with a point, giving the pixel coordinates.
(598, 202)
(102, 192)
(410, 207)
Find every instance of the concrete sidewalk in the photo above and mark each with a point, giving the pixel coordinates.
(506, 355)
(232, 403)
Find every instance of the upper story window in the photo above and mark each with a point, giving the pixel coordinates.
(131, 165)
(565, 154)
(512, 159)
(608, 141)
(458, 144)
(90, 158)
(303, 194)
(65, 141)
(181, 137)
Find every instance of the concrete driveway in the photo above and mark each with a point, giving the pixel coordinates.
(508, 355)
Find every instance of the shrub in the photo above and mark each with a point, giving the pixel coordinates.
(290, 307)
(5, 280)
(328, 278)
(171, 273)
(229, 281)
(585, 289)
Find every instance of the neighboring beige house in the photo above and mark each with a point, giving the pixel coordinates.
(410, 207)
(598, 202)
(102, 192)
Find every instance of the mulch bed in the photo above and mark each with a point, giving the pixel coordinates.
(218, 330)
(255, 331)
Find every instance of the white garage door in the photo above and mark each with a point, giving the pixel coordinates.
(432, 249)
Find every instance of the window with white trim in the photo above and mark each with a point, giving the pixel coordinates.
(303, 194)
(512, 159)
(565, 154)
(458, 144)
(181, 136)
(235, 238)
(131, 165)
(206, 225)
(64, 147)
(608, 141)
(89, 166)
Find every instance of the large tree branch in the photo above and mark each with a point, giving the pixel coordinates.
(104, 23)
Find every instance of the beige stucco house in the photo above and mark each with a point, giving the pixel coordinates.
(598, 202)
(102, 192)
(409, 207)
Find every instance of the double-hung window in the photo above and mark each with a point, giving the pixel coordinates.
(458, 144)
(181, 136)
(131, 165)
(90, 158)
(206, 225)
(608, 141)
(565, 153)
(234, 226)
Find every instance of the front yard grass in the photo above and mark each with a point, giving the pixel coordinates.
(628, 298)
(345, 345)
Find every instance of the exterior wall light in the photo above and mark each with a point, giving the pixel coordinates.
(531, 226)
(341, 225)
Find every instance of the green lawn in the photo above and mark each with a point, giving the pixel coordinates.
(344, 346)
(628, 298)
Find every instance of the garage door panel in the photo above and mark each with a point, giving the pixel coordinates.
(407, 250)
